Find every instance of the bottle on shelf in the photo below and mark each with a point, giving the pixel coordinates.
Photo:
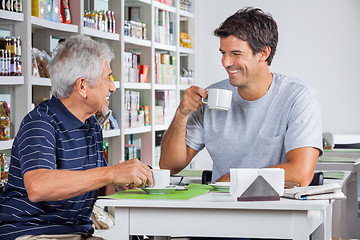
(17, 6)
(9, 5)
(2, 62)
(65, 11)
(17, 59)
(99, 21)
(109, 19)
(126, 28)
(10, 53)
(103, 20)
(5, 62)
(4, 127)
(144, 31)
(4, 166)
(113, 22)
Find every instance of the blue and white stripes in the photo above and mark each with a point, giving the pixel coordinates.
(50, 137)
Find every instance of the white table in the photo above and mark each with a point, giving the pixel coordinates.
(219, 215)
(349, 218)
(339, 227)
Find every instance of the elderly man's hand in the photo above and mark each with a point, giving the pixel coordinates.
(132, 173)
(120, 188)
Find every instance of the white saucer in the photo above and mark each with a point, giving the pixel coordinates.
(167, 190)
(221, 186)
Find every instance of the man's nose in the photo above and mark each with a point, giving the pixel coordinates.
(112, 86)
(227, 61)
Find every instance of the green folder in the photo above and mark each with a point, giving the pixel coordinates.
(189, 173)
(334, 174)
(342, 150)
(338, 159)
(193, 190)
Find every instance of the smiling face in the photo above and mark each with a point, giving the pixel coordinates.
(239, 61)
(100, 93)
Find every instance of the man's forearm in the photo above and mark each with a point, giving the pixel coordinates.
(55, 185)
(299, 167)
(175, 155)
(292, 174)
(296, 174)
(173, 146)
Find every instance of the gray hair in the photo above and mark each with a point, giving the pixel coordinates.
(77, 57)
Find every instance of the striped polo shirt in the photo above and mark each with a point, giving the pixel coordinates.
(50, 137)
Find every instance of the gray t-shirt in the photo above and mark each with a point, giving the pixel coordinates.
(257, 134)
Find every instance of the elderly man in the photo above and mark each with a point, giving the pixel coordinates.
(57, 162)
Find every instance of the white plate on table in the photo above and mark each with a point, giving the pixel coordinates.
(167, 190)
(221, 186)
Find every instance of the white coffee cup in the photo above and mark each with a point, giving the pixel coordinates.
(218, 99)
(161, 178)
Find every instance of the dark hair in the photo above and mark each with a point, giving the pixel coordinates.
(254, 26)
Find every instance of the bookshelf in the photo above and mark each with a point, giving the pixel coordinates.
(36, 32)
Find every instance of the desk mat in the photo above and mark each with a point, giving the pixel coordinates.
(194, 190)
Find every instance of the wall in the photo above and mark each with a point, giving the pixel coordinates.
(319, 42)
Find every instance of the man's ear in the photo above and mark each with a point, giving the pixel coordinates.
(264, 54)
(81, 87)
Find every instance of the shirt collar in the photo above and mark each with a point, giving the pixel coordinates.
(69, 121)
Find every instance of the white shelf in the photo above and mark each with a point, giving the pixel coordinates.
(137, 130)
(165, 86)
(43, 23)
(101, 34)
(186, 14)
(137, 41)
(111, 133)
(186, 50)
(142, 1)
(46, 82)
(184, 87)
(128, 85)
(13, 16)
(11, 80)
(6, 144)
(165, 47)
(39, 81)
(164, 6)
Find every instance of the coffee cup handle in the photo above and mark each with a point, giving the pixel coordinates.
(203, 100)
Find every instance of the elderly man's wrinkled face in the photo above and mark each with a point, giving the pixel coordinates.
(100, 93)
